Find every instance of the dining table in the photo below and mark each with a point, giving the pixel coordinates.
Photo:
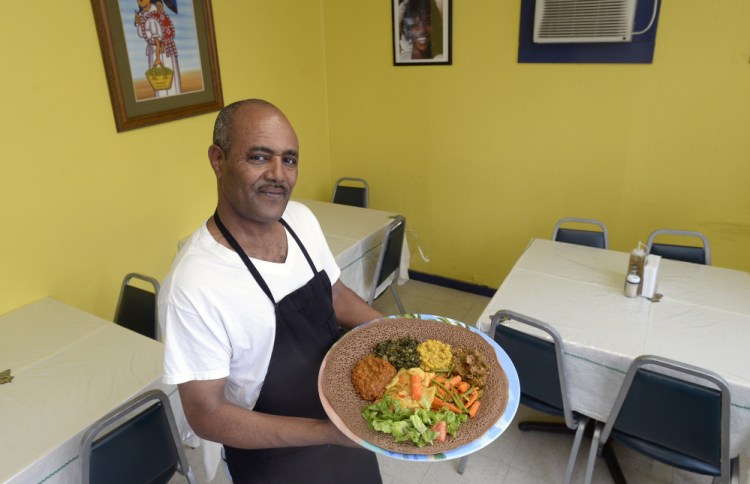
(69, 368)
(701, 316)
(355, 236)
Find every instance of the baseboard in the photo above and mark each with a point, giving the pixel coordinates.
(452, 283)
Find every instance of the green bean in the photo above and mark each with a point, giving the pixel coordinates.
(453, 396)
(469, 391)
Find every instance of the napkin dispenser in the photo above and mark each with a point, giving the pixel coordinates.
(650, 270)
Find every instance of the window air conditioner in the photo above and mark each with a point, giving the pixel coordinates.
(559, 21)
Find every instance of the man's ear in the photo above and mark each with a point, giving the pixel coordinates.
(216, 158)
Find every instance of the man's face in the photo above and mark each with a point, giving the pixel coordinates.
(257, 174)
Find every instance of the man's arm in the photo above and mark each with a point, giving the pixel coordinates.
(350, 309)
(214, 418)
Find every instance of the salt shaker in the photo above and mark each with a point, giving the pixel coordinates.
(632, 282)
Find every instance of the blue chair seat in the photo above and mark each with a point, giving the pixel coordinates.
(678, 415)
(686, 253)
(591, 238)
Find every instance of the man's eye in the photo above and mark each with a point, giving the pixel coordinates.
(290, 161)
(258, 158)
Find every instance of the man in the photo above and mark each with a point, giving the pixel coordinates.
(251, 306)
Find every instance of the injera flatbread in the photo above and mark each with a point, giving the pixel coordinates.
(337, 385)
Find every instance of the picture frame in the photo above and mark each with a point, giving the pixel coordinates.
(422, 32)
(159, 58)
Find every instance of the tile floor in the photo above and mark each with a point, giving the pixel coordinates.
(516, 457)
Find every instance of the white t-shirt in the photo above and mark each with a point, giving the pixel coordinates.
(217, 321)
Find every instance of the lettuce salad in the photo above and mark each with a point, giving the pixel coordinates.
(407, 425)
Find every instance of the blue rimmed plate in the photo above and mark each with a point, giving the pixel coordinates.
(343, 406)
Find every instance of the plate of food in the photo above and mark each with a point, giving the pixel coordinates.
(419, 387)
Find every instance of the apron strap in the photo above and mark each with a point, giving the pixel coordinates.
(299, 243)
(237, 248)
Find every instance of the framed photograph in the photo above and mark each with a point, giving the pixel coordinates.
(160, 59)
(421, 32)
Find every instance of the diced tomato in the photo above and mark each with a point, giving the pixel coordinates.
(442, 430)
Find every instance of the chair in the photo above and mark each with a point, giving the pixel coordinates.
(592, 238)
(389, 260)
(671, 417)
(541, 370)
(136, 307)
(356, 196)
(685, 253)
(145, 448)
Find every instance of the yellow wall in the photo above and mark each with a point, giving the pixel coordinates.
(483, 155)
(480, 156)
(83, 205)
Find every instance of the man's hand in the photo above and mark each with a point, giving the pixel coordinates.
(338, 438)
(214, 418)
(351, 310)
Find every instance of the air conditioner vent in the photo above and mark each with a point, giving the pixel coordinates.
(557, 21)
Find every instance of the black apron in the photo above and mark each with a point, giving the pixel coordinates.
(306, 328)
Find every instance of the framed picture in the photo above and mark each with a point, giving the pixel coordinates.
(160, 59)
(421, 32)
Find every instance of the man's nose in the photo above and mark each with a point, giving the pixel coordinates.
(275, 169)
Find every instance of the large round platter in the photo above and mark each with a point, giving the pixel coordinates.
(344, 406)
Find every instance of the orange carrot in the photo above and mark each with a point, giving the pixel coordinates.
(473, 409)
(455, 380)
(437, 404)
(472, 398)
(416, 387)
(439, 379)
(463, 386)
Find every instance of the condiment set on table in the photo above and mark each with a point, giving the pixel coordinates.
(642, 271)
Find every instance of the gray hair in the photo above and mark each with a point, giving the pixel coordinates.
(225, 119)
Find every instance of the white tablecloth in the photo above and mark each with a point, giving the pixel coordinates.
(70, 368)
(703, 319)
(355, 236)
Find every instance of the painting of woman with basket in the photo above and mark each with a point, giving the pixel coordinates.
(154, 26)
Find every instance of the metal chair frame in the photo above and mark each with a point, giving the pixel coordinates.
(130, 295)
(561, 234)
(652, 244)
(573, 421)
(134, 416)
(389, 260)
(672, 371)
(351, 195)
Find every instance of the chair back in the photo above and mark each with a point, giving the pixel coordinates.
(538, 362)
(143, 447)
(686, 253)
(136, 307)
(356, 196)
(390, 255)
(679, 417)
(389, 259)
(592, 238)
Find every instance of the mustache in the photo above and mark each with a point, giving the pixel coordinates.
(274, 186)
